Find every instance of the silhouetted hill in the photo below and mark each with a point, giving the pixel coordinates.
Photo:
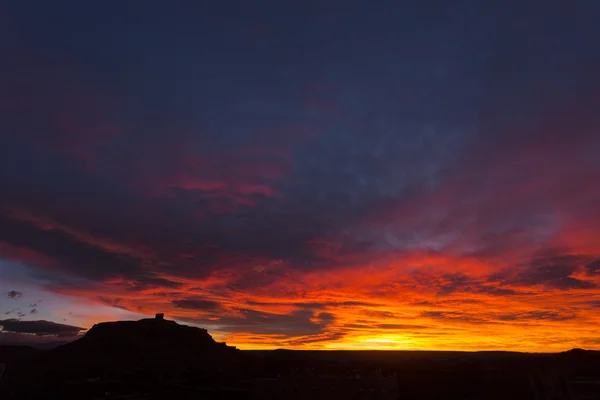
(580, 353)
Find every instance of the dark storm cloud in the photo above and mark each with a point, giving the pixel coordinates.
(13, 294)
(40, 328)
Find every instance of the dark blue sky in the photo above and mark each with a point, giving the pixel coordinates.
(256, 166)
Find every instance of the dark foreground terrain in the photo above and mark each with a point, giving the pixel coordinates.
(158, 359)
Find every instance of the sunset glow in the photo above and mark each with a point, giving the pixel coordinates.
(311, 180)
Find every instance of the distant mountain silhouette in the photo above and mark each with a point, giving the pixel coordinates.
(577, 352)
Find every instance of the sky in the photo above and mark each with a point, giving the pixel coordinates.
(303, 174)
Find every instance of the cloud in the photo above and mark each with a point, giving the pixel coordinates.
(13, 294)
(145, 281)
(281, 203)
(496, 291)
(537, 316)
(39, 328)
(402, 327)
(456, 316)
(554, 273)
(593, 268)
(196, 304)
(317, 305)
(446, 284)
(68, 251)
(294, 324)
(312, 339)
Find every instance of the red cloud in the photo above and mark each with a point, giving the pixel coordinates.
(25, 256)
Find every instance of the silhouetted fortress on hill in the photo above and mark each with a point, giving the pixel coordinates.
(153, 348)
(128, 357)
(149, 330)
(152, 338)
